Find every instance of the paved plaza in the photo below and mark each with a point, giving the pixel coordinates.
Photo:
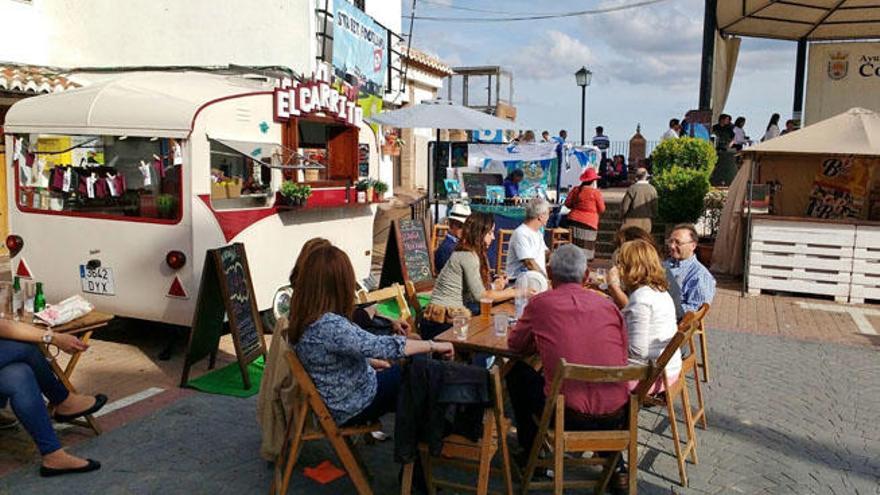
(785, 416)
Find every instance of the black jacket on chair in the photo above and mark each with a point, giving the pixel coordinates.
(436, 399)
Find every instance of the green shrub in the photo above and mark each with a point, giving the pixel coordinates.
(684, 152)
(681, 192)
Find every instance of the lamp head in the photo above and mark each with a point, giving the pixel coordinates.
(583, 76)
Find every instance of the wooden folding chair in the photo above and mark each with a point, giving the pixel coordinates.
(676, 390)
(558, 237)
(463, 453)
(617, 441)
(692, 367)
(412, 296)
(704, 344)
(396, 292)
(437, 236)
(502, 243)
(311, 420)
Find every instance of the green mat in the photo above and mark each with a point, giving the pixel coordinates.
(227, 380)
(389, 309)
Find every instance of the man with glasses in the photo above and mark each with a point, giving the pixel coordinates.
(697, 284)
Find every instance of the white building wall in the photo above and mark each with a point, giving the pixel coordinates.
(20, 35)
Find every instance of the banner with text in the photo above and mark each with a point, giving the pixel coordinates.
(360, 48)
(842, 76)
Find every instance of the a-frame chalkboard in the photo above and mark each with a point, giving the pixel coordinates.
(407, 257)
(226, 289)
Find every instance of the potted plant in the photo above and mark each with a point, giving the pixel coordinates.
(713, 204)
(166, 204)
(294, 194)
(361, 187)
(379, 189)
(682, 168)
(392, 144)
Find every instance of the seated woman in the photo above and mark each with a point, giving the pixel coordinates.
(25, 377)
(465, 278)
(650, 312)
(511, 183)
(340, 357)
(618, 295)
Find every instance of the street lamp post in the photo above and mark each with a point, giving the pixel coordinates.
(583, 77)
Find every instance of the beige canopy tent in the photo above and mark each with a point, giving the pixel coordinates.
(792, 161)
(812, 20)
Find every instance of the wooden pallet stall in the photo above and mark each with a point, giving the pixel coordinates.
(866, 265)
(802, 257)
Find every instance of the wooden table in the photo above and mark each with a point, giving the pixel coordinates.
(481, 335)
(83, 327)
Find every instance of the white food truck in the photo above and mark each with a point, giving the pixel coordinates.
(117, 189)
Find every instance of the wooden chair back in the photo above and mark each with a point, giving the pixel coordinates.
(477, 456)
(703, 363)
(395, 292)
(558, 237)
(502, 243)
(616, 440)
(308, 406)
(437, 236)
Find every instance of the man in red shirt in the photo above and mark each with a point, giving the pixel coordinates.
(584, 328)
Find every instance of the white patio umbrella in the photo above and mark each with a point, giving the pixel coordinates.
(441, 114)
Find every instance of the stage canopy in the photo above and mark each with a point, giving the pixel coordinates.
(813, 20)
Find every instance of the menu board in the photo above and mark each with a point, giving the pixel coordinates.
(475, 183)
(226, 290)
(407, 257)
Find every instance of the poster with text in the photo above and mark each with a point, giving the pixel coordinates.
(360, 48)
(842, 76)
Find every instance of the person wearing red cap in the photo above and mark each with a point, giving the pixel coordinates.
(586, 204)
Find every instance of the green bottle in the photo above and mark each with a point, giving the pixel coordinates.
(17, 301)
(39, 299)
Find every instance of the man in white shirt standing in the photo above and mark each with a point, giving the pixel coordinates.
(527, 250)
(672, 132)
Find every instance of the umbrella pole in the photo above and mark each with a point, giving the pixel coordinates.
(433, 180)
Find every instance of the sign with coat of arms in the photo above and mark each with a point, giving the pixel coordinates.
(838, 65)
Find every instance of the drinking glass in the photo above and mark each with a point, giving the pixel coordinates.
(29, 290)
(501, 321)
(485, 307)
(602, 278)
(5, 299)
(460, 327)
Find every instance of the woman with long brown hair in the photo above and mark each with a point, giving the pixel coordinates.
(465, 279)
(335, 351)
(650, 312)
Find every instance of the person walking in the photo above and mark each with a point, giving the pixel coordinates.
(639, 205)
(772, 128)
(586, 204)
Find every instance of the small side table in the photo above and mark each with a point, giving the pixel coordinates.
(83, 328)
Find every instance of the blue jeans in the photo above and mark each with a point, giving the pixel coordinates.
(385, 400)
(25, 376)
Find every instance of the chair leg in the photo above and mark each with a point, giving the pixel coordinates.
(607, 472)
(406, 482)
(298, 423)
(691, 445)
(505, 457)
(559, 449)
(343, 451)
(701, 411)
(428, 469)
(676, 440)
(704, 348)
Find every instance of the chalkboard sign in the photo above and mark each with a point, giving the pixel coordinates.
(475, 184)
(407, 257)
(225, 289)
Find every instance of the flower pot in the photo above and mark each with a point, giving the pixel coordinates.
(312, 175)
(362, 196)
(704, 252)
(369, 194)
(376, 197)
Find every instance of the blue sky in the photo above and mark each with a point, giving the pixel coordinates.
(645, 63)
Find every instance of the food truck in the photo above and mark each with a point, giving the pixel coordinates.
(118, 188)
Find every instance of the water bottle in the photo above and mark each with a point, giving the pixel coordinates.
(522, 294)
(17, 300)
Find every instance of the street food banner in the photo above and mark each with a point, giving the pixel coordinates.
(538, 161)
(360, 47)
(842, 76)
(840, 189)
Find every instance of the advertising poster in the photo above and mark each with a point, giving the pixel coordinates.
(538, 162)
(360, 48)
(840, 189)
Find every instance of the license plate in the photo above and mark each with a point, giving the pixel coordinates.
(97, 281)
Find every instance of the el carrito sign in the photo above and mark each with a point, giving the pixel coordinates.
(842, 76)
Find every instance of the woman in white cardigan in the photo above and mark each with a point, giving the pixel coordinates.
(650, 313)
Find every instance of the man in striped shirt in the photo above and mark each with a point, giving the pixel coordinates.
(601, 141)
(697, 284)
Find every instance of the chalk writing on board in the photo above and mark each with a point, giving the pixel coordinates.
(415, 250)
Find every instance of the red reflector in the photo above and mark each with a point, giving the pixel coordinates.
(177, 289)
(23, 270)
(14, 243)
(175, 259)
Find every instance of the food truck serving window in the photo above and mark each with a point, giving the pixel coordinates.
(241, 176)
(132, 178)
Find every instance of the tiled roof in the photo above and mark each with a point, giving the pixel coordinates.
(32, 79)
(422, 58)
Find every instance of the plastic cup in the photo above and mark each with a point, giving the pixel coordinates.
(5, 300)
(460, 327)
(501, 321)
(485, 307)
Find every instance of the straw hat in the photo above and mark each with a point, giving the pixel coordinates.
(459, 212)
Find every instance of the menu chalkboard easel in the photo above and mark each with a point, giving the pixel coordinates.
(225, 289)
(407, 257)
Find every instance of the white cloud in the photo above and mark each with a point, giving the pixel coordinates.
(555, 55)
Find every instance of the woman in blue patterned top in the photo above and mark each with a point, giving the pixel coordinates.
(342, 358)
